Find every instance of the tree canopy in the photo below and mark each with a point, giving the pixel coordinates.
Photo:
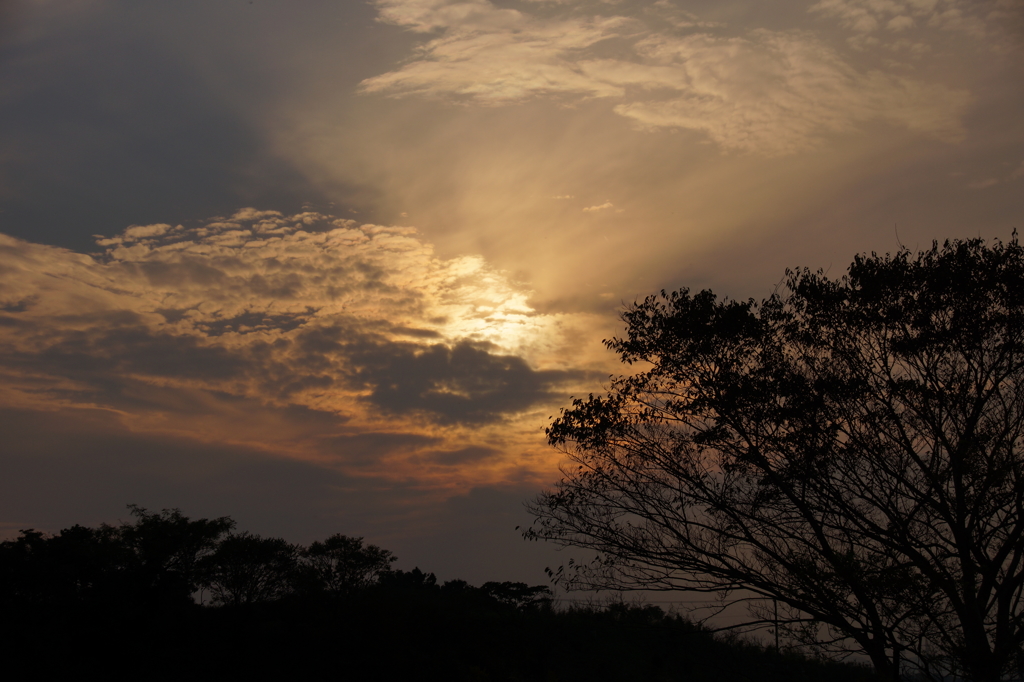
(162, 559)
(341, 564)
(850, 448)
(159, 559)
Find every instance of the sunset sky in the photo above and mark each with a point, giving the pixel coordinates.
(332, 266)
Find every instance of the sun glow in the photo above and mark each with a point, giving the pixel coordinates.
(483, 306)
(210, 330)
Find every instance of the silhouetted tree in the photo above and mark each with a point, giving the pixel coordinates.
(518, 595)
(79, 565)
(414, 580)
(155, 560)
(851, 448)
(247, 568)
(168, 551)
(340, 564)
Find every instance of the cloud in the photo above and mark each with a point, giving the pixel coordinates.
(302, 335)
(462, 383)
(766, 91)
(778, 92)
(900, 23)
(141, 231)
(975, 18)
(991, 182)
(600, 207)
(491, 55)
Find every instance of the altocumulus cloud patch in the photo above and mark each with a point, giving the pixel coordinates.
(243, 328)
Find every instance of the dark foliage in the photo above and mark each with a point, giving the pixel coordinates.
(66, 612)
(157, 561)
(247, 568)
(340, 565)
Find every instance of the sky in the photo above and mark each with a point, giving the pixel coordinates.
(333, 266)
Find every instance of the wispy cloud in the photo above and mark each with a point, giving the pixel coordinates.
(599, 207)
(985, 183)
(766, 91)
(774, 92)
(492, 55)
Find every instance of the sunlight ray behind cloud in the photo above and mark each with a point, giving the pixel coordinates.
(188, 329)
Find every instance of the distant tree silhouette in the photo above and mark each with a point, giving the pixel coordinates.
(168, 552)
(852, 449)
(518, 595)
(247, 568)
(78, 565)
(156, 560)
(415, 580)
(341, 565)
(71, 602)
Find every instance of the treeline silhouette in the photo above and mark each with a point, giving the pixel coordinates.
(167, 597)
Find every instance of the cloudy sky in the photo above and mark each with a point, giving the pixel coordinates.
(331, 266)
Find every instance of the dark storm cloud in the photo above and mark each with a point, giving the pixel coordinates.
(372, 446)
(463, 383)
(132, 350)
(454, 458)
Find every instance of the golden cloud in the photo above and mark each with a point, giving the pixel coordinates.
(304, 335)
